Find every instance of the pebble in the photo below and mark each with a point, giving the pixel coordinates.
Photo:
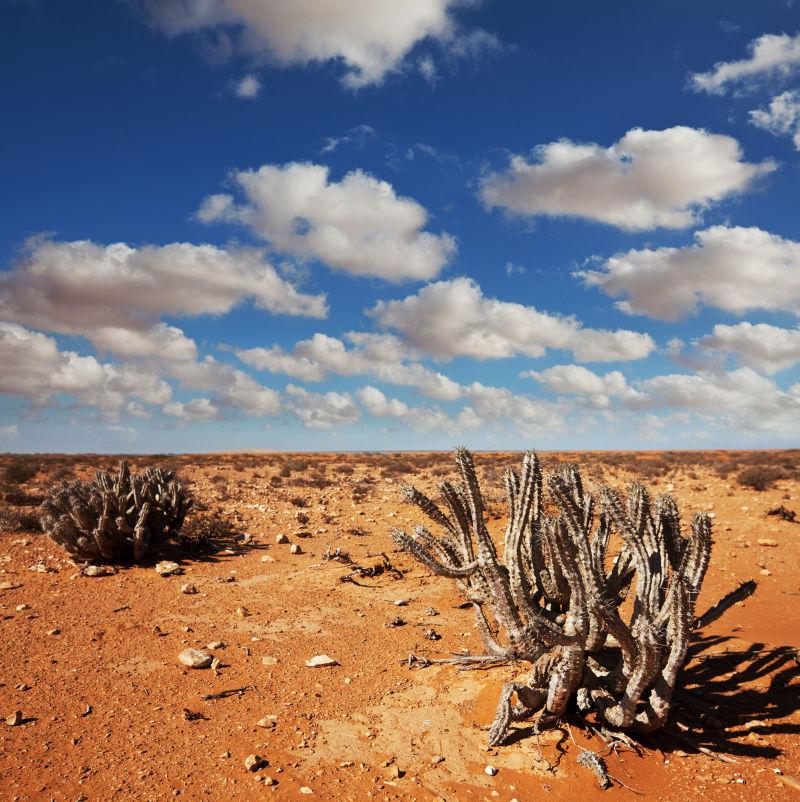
(295, 549)
(167, 568)
(320, 661)
(270, 780)
(269, 661)
(20, 607)
(55, 631)
(765, 572)
(490, 770)
(281, 539)
(98, 570)
(188, 589)
(267, 559)
(304, 789)
(8, 585)
(765, 541)
(215, 644)
(242, 612)
(400, 602)
(15, 719)
(194, 658)
(254, 762)
(268, 722)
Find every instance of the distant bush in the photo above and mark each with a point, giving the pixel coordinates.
(20, 470)
(761, 477)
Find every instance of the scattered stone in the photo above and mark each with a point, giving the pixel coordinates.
(8, 585)
(55, 631)
(490, 770)
(765, 541)
(15, 719)
(295, 549)
(304, 789)
(38, 568)
(437, 759)
(346, 764)
(168, 568)
(215, 644)
(431, 611)
(281, 539)
(397, 621)
(188, 588)
(267, 559)
(400, 602)
(267, 723)
(245, 539)
(242, 612)
(215, 664)
(431, 634)
(269, 661)
(394, 772)
(20, 607)
(765, 572)
(194, 658)
(321, 661)
(254, 762)
(270, 780)
(98, 570)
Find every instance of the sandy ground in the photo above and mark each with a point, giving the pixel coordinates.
(92, 662)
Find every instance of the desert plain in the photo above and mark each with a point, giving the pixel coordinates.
(290, 557)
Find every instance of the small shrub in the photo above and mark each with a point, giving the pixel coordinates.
(116, 518)
(20, 470)
(760, 477)
(298, 501)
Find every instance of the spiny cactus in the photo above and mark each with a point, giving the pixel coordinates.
(116, 518)
(556, 596)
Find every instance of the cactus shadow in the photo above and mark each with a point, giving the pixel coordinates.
(734, 697)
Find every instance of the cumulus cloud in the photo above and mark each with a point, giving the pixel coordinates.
(248, 87)
(32, 366)
(454, 318)
(768, 349)
(379, 406)
(381, 356)
(358, 225)
(321, 410)
(732, 268)
(646, 180)
(370, 38)
(771, 56)
(198, 409)
(81, 287)
(782, 117)
(577, 380)
(530, 417)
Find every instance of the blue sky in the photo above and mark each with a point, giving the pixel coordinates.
(374, 225)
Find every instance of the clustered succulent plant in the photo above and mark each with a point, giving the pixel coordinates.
(558, 596)
(116, 518)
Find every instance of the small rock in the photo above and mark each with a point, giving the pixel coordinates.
(167, 568)
(321, 661)
(254, 762)
(267, 559)
(281, 539)
(55, 631)
(431, 611)
(304, 789)
(400, 602)
(8, 585)
(431, 634)
(295, 549)
(765, 572)
(269, 661)
(437, 759)
(346, 764)
(765, 541)
(490, 770)
(38, 568)
(15, 719)
(267, 723)
(269, 780)
(188, 588)
(245, 539)
(20, 607)
(98, 570)
(215, 664)
(215, 644)
(242, 612)
(194, 658)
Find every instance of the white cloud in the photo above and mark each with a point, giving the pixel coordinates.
(740, 399)
(771, 56)
(357, 136)
(370, 38)
(379, 406)
(577, 380)
(647, 179)
(79, 287)
(782, 118)
(530, 417)
(765, 348)
(248, 87)
(453, 318)
(357, 225)
(379, 355)
(732, 268)
(162, 342)
(31, 365)
(198, 409)
(321, 410)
